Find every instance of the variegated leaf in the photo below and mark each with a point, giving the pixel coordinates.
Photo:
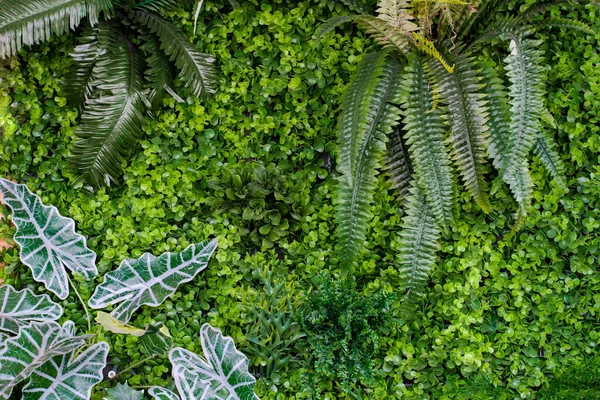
(159, 393)
(48, 241)
(18, 308)
(223, 376)
(37, 343)
(67, 376)
(123, 392)
(149, 280)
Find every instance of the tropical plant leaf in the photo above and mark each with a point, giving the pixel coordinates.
(47, 240)
(32, 22)
(388, 36)
(197, 69)
(67, 376)
(123, 392)
(367, 117)
(18, 308)
(418, 242)
(398, 163)
(425, 129)
(37, 343)
(111, 122)
(331, 24)
(149, 280)
(468, 117)
(159, 393)
(113, 325)
(224, 375)
(156, 340)
(545, 149)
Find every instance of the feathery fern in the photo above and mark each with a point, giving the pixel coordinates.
(386, 35)
(545, 149)
(368, 115)
(398, 165)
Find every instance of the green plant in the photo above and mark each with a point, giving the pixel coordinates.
(121, 69)
(345, 329)
(436, 97)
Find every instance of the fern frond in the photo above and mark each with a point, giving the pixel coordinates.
(197, 69)
(31, 22)
(545, 149)
(163, 5)
(539, 7)
(368, 116)
(570, 24)
(388, 36)
(498, 115)
(111, 122)
(78, 84)
(418, 242)
(428, 47)
(479, 21)
(468, 116)
(397, 14)
(331, 24)
(356, 6)
(159, 73)
(398, 164)
(425, 131)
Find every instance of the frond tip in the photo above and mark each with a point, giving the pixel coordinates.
(428, 47)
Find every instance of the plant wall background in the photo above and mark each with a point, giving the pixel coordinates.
(255, 167)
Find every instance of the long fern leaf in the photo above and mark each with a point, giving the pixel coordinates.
(398, 165)
(368, 116)
(545, 149)
(388, 36)
(425, 129)
(31, 22)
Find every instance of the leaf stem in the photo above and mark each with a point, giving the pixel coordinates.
(132, 366)
(87, 313)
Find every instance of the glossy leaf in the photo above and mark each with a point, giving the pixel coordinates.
(18, 308)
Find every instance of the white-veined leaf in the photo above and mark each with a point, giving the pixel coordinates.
(18, 308)
(67, 377)
(123, 392)
(37, 343)
(223, 376)
(159, 393)
(149, 280)
(48, 241)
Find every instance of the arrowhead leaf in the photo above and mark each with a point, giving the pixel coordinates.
(223, 376)
(159, 393)
(17, 308)
(67, 377)
(37, 343)
(149, 280)
(48, 240)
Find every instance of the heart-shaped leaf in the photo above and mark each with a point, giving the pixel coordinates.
(159, 393)
(37, 343)
(149, 280)
(47, 240)
(17, 308)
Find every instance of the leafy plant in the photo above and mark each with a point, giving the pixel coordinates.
(438, 101)
(113, 80)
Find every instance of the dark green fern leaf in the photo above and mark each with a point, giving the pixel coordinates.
(355, 5)
(545, 149)
(331, 24)
(159, 74)
(425, 129)
(31, 22)
(79, 82)
(197, 69)
(398, 164)
(163, 5)
(112, 120)
(479, 20)
(418, 243)
(368, 116)
(569, 24)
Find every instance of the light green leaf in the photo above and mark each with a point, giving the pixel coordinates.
(123, 392)
(67, 377)
(149, 280)
(18, 308)
(37, 343)
(156, 340)
(223, 376)
(159, 393)
(113, 325)
(48, 240)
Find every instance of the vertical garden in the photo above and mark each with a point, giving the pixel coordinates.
(299, 199)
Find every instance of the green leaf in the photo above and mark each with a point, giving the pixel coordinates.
(367, 118)
(569, 24)
(386, 35)
(67, 376)
(357, 6)
(425, 129)
(223, 375)
(159, 393)
(123, 392)
(111, 122)
(79, 82)
(156, 340)
(18, 308)
(197, 70)
(37, 343)
(32, 22)
(545, 149)
(398, 165)
(331, 24)
(47, 240)
(149, 280)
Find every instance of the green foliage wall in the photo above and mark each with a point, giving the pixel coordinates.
(255, 166)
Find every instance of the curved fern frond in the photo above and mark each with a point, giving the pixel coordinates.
(521, 185)
(425, 129)
(331, 24)
(545, 149)
(111, 122)
(484, 15)
(368, 115)
(559, 22)
(428, 47)
(418, 242)
(356, 6)
(197, 69)
(468, 116)
(163, 5)
(398, 164)
(386, 35)
(159, 74)
(397, 14)
(539, 7)
(31, 22)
